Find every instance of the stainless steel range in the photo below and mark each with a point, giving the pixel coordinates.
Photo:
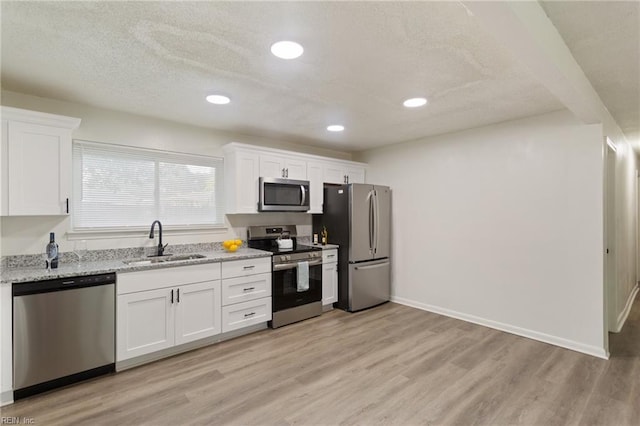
(296, 273)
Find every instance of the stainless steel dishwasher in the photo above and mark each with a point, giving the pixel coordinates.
(63, 332)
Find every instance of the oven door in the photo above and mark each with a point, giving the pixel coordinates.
(283, 195)
(284, 281)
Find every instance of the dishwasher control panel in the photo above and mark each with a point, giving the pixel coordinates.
(57, 284)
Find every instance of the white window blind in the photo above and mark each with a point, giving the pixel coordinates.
(116, 187)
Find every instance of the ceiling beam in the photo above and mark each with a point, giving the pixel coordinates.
(526, 31)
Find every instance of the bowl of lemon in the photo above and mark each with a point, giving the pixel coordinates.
(231, 245)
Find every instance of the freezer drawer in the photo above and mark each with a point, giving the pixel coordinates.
(369, 284)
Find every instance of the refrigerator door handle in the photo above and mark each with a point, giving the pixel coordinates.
(376, 265)
(375, 221)
(371, 213)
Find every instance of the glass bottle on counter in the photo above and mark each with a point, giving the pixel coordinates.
(52, 252)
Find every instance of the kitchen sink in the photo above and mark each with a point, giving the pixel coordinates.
(167, 258)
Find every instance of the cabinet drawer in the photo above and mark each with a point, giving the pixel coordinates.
(243, 289)
(130, 282)
(329, 256)
(245, 314)
(242, 268)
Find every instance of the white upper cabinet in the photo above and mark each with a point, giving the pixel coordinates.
(314, 175)
(36, 163)
(277, 166)
(354, 174)
(342, 173)
(245, 164)
(241, 173)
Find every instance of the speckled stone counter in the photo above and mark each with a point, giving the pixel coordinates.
(307, 240)
(33, 273)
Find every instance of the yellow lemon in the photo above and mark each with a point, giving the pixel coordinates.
(238, 242)
(227, 244)
(233, 247)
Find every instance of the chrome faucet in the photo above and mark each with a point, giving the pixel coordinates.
(151, 236)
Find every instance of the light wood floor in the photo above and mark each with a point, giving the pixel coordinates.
(389, 365)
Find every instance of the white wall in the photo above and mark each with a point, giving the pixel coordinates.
(626, 250)
(503, 226)
(29, 235)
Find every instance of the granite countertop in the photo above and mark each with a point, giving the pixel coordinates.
(24, 274)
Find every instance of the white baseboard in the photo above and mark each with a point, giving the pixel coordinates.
(6, 398)
(531, 334)
(622, 318)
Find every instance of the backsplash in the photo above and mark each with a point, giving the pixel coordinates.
(29, 260)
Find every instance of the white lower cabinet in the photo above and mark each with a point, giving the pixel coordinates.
(245, 314)
(187, 307)
(246, 293)
(329, 277)
(144, 323)
(197, 311)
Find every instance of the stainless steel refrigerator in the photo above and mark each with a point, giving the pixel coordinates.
(358, 219)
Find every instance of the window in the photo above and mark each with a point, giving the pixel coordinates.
(118, 187)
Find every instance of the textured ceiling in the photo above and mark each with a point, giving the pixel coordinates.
(604, 38)
(361, 60)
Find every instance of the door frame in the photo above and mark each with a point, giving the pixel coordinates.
(609, 252)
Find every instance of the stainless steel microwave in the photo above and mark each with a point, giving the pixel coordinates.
(283, 195)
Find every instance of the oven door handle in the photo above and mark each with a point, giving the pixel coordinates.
(294, 265)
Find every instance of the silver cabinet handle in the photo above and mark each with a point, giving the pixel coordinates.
(172, 296)
(248, 289)
(283, 173)
(249, 267)
(178, 293)
(331, 255)
(249, 314)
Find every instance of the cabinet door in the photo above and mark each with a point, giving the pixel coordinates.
(272, 166)
(145, 323)
(355, 175)
(334, 173)
(39, 163)
(329, 283)
(314, 174)
(241, 173)
(198, 311)
(295, 169)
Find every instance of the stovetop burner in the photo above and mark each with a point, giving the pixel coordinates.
(272, 246)
(265, 238)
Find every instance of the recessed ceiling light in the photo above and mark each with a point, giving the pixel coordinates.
(335, 128)
(218, 99)
(286, 49)
(414, 102)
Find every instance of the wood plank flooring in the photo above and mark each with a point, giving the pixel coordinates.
(389, 365)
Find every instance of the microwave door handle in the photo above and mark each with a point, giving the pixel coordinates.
(304, 195)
